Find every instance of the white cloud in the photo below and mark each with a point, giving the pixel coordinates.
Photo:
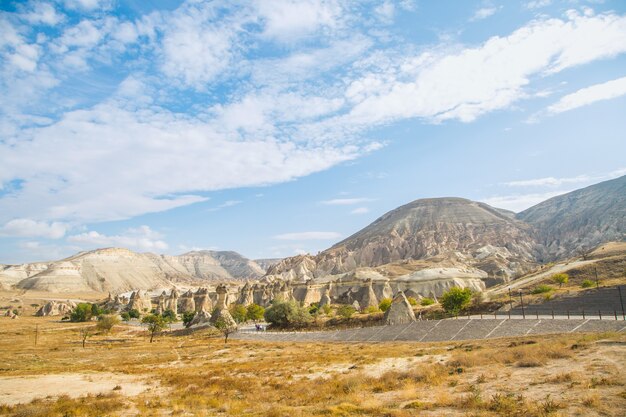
(43, 13)
(589, 95)
(228, 203)
(142, 238)
(440, 85)
(345, 201)
(385, 12)
(484, 13)
(88, 5)
(360, 210)
(290, 20)
(32, 228)
(548, 181)
(537, 4)
(520, 202)
(308, 236)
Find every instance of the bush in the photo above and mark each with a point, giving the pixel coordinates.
(412, 301)
(587, 283)
(81, 313)
(327, 309)
(346, 311)
(106, 322)
(456, 299)
(134, 313)
(427, 301)
(384, 304)
(371, 310)
(287, 313)
(125, 316)
(155, 323)
(169, 316)
(239, 313)
(560, 279)
(541, 289)
(188, 317)
(255, 312)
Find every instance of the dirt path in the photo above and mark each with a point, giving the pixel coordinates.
(23, 389)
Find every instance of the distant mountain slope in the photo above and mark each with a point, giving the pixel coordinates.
(454, 231)
(266, 263)
(119, 270)
(581, 219)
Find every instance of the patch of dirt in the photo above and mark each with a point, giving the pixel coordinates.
(23, 389)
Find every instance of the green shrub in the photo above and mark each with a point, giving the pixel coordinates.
(427, 301)
(412, 301)
(456, 299)
(96, 311)
(587, 283)
(81, 313)
(314, 309)
(239, 313)
(560, 279)
(155, 323)
(384, 304)
(327, 309)
(346, 311)
(169, 316)
(371, 310)
(287, 313)
(125, 316)
(255, 312)
(106, 322)
(134, 313)
(541, 289)
(188, 317)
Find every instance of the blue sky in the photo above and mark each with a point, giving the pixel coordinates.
(280, 127)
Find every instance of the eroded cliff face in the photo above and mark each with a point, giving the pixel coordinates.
(442, 232)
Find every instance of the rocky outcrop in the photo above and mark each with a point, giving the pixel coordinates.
(202, 300)
(581, 220)
(202, 318)
(221, 317)
(139, 302)
(400, 311)
(186, 303)
(246, 295)
(56, 308)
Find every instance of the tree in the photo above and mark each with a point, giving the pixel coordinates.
(456, 299)
(560, 279)
(95, 310)
(81, 313)
(225, 328)
(85, 332)
(169, 316)
(384, 304)
(106, 322)
(188, 317)
(255, 312)
(125, 316)
(239, 313)
(346, 311)
(426, 301)
(155, 323)
(287, 313)
(134, 313)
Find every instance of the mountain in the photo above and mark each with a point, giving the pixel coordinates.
(119, 270)
(580, 220)
(449, 232)
(266, 263)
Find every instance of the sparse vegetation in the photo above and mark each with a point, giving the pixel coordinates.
(456, 299)
(412, 301)
(426, 301)
(587, 283)
(287, 314)
(106, 322)
(542, 289)
(384, 304)
(346, 311)
(188, 317)
(560, 279)
(239, 313)
(156, 323)
(82, 313)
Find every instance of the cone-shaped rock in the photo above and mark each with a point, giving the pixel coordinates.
(400, 311)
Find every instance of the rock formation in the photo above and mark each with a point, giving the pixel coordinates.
(202, 300)
(139, 302)
(56, 308)
(400, 311)
(221, 313)
(186, 303)
(201, 318)
(172, 301)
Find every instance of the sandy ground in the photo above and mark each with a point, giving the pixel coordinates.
(23, 389)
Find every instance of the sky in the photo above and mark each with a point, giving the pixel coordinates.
(279, 127)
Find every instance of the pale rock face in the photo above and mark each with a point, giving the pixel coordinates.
(201, 318)
(400, 311)
(202, 300)
(55, 308)
(186, 303)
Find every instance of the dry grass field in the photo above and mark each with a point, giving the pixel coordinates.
(122, 374)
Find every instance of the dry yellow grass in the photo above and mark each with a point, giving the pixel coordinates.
(198, 375)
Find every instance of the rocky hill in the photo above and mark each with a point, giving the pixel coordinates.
(118, 270)
(580, 220)
(455, 237)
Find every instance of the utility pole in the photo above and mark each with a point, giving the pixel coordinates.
(595, 268)
(510, 300)
(36, 334)
(522, 303)
(621, 301)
